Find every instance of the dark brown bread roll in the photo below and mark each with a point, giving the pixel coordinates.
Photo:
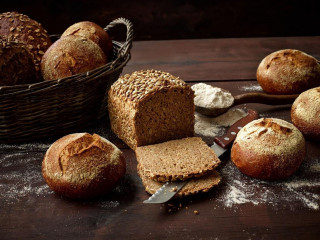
(288, 72)
(305, 113)
(81, 165)
(92, 31)
(71, 55)
(268, 149)
(26, 30)
(16, 63)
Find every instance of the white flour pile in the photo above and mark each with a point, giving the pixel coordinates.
(208, 96)
(214, 126)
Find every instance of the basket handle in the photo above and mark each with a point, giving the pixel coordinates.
(126, 47)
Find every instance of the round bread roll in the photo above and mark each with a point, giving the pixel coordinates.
(21, 27)
(92, 31)
(81, 165)
(305, 113)
(288, 72)
(16, 63)
(71, 55)
(268, 149)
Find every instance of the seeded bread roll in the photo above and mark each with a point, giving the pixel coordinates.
(16, 63)
(71, 55)
(288, 72)
(305, 113)
(149, 107)
(268, 149)
(21, 27)
(176, 159)
(92, 31)
(193, 186)
(81, 165)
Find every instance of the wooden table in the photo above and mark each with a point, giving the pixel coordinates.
(239, 208)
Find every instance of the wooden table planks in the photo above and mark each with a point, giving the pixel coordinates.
(30, 210)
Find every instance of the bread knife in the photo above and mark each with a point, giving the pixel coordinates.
(221, 145)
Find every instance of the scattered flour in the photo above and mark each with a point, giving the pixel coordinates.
(303, 188)
(208, 96)
(251, 88)
(215, 126)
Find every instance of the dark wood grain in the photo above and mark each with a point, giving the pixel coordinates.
(214, 59)
(30, 210)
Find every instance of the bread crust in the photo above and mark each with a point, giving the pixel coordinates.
(288, 71)
(94, 32)
(28, 31)
(193, 186)
(305, 113)
(71, 55)
(83, 166)
(268, 149)
(16, 63)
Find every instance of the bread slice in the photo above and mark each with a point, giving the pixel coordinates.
(176, 159)
(193, 186)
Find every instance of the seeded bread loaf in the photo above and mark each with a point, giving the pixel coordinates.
(92, 31)
(305, 113)
(268, 149)
(71, 55)
(176, 159)
(16, 63)
(81, 165)
(288, 71)
(193, 186)
(26, 30)
(149, 107)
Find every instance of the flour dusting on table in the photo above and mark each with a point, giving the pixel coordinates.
(215, 126)
(251, 88)
(303, 187)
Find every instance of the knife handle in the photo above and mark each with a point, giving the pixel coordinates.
(226, 140)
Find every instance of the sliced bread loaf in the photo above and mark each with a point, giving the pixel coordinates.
(149, 107)
(195, 185)
(176, 159)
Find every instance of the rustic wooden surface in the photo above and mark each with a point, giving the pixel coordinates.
(30, 210)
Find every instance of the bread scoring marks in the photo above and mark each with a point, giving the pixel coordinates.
(274, 126)
(271, 135)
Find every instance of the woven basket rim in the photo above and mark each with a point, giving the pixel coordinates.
(123, 56)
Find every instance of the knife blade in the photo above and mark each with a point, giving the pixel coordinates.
(221, 145)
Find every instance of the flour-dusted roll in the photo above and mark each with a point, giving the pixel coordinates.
(92, 31)
(305, 113)
(148, 107)
(81, 165)
(71, 55)
(288, 71)
(268, 149)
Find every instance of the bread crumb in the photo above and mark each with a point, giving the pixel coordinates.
(196, 212)
(174, 189)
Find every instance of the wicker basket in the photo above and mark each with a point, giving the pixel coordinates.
(58, 107)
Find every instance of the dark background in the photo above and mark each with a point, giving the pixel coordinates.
(181, 19)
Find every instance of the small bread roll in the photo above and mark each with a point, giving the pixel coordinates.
(81, 165)
(92, 31)
(16, 63)
(305, 113)
(69, 56)
(288, 72)
(268, 149)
